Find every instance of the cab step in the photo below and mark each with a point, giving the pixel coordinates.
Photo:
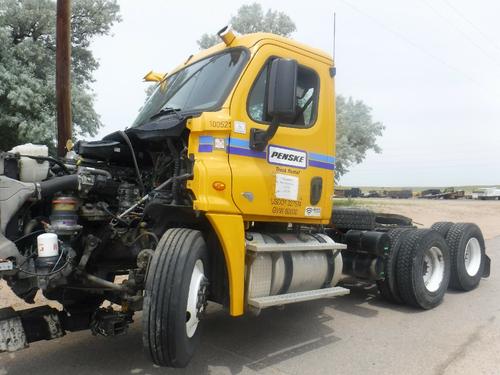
(308, 295)
(306, 246)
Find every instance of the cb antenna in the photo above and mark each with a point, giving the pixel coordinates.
(334, 33)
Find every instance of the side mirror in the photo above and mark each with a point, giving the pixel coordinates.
(281, 100)
(282, 88)
(154, 76)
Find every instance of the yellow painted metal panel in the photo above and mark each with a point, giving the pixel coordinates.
(231, 233)
(256, 179)
(208, 146)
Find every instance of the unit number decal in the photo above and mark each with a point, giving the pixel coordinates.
(312, 211)
(287, 156)
(287, 187)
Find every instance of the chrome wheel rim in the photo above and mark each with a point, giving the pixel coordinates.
(472, 256)
(196, 300)
(433, 268)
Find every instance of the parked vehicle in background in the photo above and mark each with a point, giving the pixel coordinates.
(400, 194)
(490, 193)
(348, 193)
(448, 193)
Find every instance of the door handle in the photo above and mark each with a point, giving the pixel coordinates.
(316, 190)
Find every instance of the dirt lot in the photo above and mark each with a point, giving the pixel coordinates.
(485, 213)
(426, 211)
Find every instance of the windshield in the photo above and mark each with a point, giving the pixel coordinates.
(201, 86)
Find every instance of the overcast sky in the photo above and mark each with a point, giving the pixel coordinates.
(429, 69)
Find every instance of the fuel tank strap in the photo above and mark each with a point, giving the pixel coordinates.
(330, 256)
(287, 258)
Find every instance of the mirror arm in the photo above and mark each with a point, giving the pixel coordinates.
(259, 138)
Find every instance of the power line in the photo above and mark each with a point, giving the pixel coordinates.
(411, 43)
(464, 34)
(461, 15)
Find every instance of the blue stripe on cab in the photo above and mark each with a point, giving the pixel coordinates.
(246, 152)
(242, 143)
(321, 157)
(242, 147)
(319, 164)
(206, 139)
(205, 148)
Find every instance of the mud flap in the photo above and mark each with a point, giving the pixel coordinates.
(487, 266)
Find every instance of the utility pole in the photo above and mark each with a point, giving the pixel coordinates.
(63, 74)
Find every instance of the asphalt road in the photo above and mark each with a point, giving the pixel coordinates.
(355, 334)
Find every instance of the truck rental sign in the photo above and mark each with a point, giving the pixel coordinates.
(287, 156)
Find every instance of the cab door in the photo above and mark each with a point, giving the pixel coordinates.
(292, 178)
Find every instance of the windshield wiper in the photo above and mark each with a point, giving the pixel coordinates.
(166, 111)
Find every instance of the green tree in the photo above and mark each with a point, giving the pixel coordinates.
(356, 133)
(252, 19)
(27, 68)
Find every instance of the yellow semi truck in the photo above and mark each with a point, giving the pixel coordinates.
(221, 190)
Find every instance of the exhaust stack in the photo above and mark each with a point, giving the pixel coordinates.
(226, 34)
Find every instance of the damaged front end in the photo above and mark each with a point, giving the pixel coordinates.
(69, 226)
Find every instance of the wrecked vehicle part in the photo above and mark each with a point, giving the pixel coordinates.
(8, 251)
(92, 208)
(13, 194)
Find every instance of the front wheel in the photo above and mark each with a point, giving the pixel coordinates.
(175, 297)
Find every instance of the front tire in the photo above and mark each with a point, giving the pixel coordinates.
(175, 297)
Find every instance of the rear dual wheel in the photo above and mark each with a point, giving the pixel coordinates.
(443, 227)
(467, 255)
(175, 297)
(423, 268)
(388, 286)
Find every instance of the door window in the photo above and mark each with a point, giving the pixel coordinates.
(306, 96)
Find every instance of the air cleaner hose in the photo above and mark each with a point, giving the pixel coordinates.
(50, 187)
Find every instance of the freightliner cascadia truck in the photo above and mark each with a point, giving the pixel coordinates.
(220, 191)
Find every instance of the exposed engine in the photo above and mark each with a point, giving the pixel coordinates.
(69, 226)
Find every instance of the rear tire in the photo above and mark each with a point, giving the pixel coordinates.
(388, 287)
(345, 218)
(174, 297)
(443, 227)
(467, 252)
(423, 268)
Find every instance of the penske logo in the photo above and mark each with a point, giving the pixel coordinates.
(287, 156)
